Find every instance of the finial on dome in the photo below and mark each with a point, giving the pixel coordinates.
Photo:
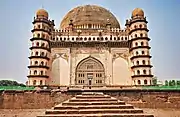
(137, 12)
(42, 13)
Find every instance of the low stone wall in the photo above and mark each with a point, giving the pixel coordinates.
(31, 99)
(47, 98)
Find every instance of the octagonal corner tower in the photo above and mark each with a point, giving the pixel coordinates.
(88, 16)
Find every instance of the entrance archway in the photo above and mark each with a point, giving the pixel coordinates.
(90, 71)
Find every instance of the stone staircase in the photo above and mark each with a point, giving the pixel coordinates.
(94, 105)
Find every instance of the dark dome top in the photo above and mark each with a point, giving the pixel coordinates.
(89, 14)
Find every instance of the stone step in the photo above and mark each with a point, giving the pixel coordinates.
(91, 111)
(92, 96)
(91, 99)
(98, 115)
(127, 106)
(94, 103)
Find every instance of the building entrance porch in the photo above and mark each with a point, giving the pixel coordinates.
(90, 72)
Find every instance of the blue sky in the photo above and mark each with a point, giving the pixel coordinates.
(17, 15)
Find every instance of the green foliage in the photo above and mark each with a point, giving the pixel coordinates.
(154, 80)
(10, 83)
(172, 83)
(166, 83)
(178, 83)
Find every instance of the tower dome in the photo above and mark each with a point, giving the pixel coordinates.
(42, 13)
(137, 12)
(88, 15)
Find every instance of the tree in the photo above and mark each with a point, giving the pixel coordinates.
(10, 83)
(154, 80)
(173, 83)
(178, 83)
(166, 83)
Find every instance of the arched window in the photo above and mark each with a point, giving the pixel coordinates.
(140, 26)
(125, 38)
(142, 43)
(41, 72)
(106, 38)
(139, 82)
(142, 52)
(137, 62)
(136, 44)
(39, 26)
(41, 82)
(122, 38)
(31, 53)
(36, 53)
(114, 38)
(38, 35)
(36, 62)
(135, 26)
(35, 72)
(37, 44)
(43, 44)
(144, 71)
(42, 63)
(42, 54)
(30, 72)
(135, 35)
(143, 62)
(102, 38)
(145, 82)
(137, 53)
(85, 38)
(141, 35)
(138, 72)
(34, 82)
(94, 38)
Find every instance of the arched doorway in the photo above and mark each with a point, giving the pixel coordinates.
(90, 71)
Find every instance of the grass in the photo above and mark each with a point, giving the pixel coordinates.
(162, 87)
(15, 88)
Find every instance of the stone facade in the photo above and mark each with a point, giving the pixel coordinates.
(89, 50)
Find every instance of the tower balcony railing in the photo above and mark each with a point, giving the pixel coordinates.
(41, 57)
(40, 29)
(140, 56)
(38, 66)
(142, 75)
(39, 38)
(136, 29)
(39, 47)
(137, 66)
(137, 47)
(38, 76)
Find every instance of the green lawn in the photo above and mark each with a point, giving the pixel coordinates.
(15, 88)
(162, 87)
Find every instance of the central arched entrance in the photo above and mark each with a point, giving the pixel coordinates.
(90, 71)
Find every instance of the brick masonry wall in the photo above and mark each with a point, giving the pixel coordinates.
(47, 99)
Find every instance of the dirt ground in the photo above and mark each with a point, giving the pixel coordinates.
(34, 112)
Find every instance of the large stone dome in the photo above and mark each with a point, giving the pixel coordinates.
(89, 15)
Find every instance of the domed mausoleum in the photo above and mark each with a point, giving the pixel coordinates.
(89, 48)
